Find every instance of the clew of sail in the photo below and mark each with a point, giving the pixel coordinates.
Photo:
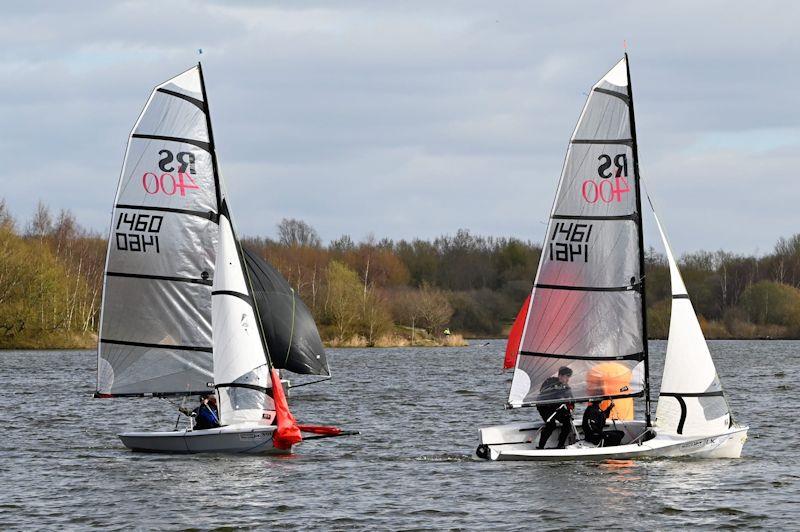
(586, 304)
(241, 371)
(691, 401)
(155, 325)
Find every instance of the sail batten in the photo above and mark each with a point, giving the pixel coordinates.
(586, 303)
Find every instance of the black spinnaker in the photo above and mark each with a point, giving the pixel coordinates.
(291, 333)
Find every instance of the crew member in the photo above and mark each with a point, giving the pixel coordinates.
(594, 422)
(556, 388)
(205, 415)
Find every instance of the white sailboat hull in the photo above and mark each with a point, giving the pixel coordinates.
(518, 441)
(246, 439)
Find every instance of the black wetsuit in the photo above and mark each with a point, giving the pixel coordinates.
(554, 412)
(594, 422)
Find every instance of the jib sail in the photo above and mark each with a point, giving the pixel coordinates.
(691, 401)
(155, 327)
(587, 302)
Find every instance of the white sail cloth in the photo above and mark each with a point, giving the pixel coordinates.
(586, 305)
(155, 326)
(691, 401)
(239, 357)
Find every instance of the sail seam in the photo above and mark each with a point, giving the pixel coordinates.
(630, 217)
(634, 356)
(243, 297)
(158, 346)
(199, 143)
(586, 288)
(718, 393)
(210, 215)
(626, 142)
(620, 95)
(262, 389)
(194, 101)
(207, 282)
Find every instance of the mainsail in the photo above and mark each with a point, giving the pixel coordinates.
(691, 401)
(292, 336)
(155, 325)
(587, 303)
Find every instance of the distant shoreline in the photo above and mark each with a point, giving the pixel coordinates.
(428, 343)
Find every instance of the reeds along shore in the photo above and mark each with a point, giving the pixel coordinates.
(377, 292)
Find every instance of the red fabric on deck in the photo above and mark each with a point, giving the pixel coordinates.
(321, 429)
(287, 433)
(514, 337)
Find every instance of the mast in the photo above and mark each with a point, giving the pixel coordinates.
(639, 227)
(212, 148)
(223, 209)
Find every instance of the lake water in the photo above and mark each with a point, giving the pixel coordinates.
(412, 467)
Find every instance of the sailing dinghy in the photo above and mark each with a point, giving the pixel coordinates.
(180, 315)
(587, 312)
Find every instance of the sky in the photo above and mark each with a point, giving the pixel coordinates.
(414, 119)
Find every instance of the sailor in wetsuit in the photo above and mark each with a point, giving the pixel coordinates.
(205, 415)
(594, 421)
(556, 388)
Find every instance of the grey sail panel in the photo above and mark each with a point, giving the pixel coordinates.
(155, 328)
(292, 336)
(586, 304)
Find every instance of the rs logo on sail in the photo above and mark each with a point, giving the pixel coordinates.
(612, 182)
(172, 178)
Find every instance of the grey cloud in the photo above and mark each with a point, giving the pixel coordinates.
(413, 118)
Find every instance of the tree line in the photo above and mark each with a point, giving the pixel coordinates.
(381, 292)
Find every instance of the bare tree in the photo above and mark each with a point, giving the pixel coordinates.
(297, 233)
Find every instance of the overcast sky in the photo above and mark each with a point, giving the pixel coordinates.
(414, 119)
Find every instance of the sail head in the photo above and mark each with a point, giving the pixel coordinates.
(586, 305)
(155, 327)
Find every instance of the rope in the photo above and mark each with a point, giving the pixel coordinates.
(291, 334)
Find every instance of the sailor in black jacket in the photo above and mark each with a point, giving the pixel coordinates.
(594, 423)
(556, 388)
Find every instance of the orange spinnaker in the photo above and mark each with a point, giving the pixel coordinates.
(515, 336)
(611, 378)
(287, 433)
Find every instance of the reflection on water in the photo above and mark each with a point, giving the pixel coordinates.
(412, 467)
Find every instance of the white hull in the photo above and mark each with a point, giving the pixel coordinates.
(249, 439)
(518, 441)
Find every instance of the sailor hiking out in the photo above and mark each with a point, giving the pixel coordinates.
(556, 388)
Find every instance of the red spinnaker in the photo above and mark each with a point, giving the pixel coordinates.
(515, 336)
(287, 433)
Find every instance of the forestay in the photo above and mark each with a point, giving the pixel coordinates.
(241, 371)
(155, 327)
(691, 401)
(586, 304)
